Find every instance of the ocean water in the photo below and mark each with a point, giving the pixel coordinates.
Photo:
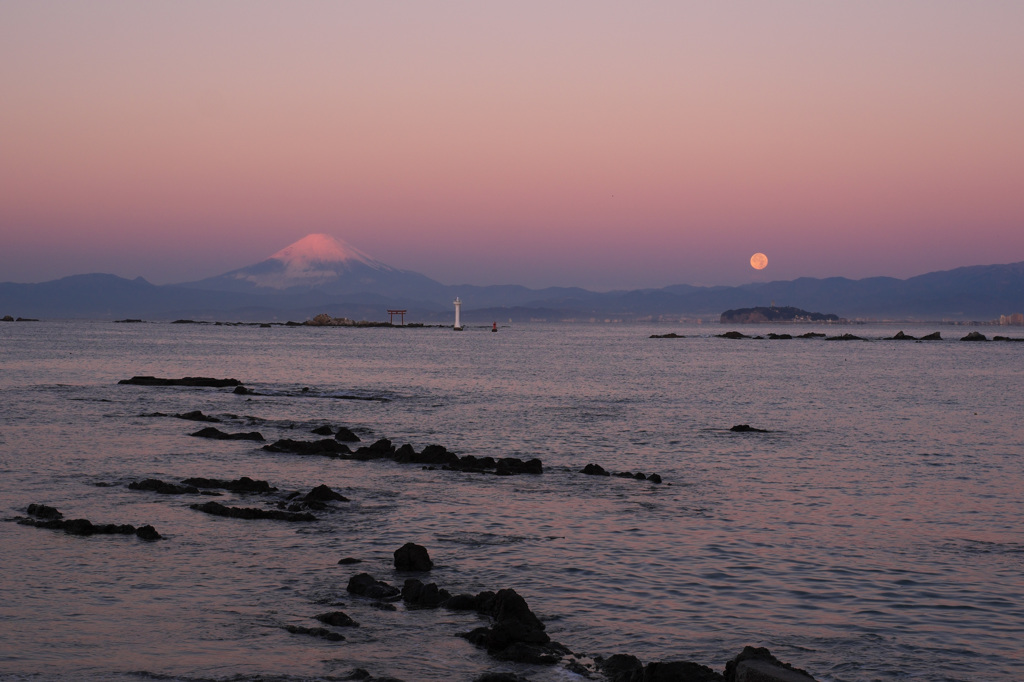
(873, 533)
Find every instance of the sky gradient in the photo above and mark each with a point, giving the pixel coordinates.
(595, 144)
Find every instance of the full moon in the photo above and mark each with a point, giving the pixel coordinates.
(759, 261)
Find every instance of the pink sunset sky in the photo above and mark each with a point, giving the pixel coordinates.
(595, 144)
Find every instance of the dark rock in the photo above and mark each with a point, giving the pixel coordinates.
(217, 434)
(844, 337)
(620, 667)
(732, 335)
(934, 336)
(462, 602)
(322, 493)
(206, 382)
(654, 478)
(509, 466)
(678, 671)
(639, 476)
(327, 447)
(80, 527)
(415, 593)
(811, 335)
(364, 585)
(756, 664)
(515, 624)
(241, 485)
(323, 633)
(44, 512)
(525, 652)
(436, 454)
(624, 474)
(472, 463)
(378, 450)
(6, 318)
(85, 527)
(337, 619)
(250, 513)
(197, 416)
(670, 335)
(412, 557)
(974, 336)
(158, 486)
(747, 428)
(242, 390)
(349, 560)
(346, 435)
(594, 470)
(900, 336)
(780, 337)
(148, 533)
(324, 430)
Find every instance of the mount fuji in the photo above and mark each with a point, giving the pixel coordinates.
(322, 263)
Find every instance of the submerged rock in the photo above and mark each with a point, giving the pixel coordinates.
(337, 619)
(747, 428)
(50, 518)
(364, 585)
(412, 557)
(732, 335)
(322, 493)
(416, 593)
(676, 671)
(323, 633)
(756, 664)
(207, 382)
(510, 466)
(217, 434)
(197, 416)
(157, 486)
(346, 435)
(44, 511)
(844, 337)
(620, 667)
(670, 335)
(327, 447)
(249, 513)
(240, 485)
(594, 470)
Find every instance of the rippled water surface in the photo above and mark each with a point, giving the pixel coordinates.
(873, 533)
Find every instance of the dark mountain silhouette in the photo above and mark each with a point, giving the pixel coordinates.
(321, 274)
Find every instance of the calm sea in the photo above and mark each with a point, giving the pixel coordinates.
(874, 533)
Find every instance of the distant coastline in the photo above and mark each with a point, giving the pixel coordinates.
(775, 314)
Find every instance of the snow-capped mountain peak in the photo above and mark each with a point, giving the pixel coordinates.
(321, 248)
(314, 261)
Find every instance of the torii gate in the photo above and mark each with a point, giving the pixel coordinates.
(392, 313)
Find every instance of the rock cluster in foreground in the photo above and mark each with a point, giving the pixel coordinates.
(49, 517)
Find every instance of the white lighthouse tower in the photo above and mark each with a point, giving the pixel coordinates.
(458, 314)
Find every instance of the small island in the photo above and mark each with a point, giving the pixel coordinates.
(774, 314)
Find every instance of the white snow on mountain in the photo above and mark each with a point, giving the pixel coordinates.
(313, 260)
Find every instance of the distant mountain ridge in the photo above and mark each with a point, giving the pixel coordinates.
(322, 274)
